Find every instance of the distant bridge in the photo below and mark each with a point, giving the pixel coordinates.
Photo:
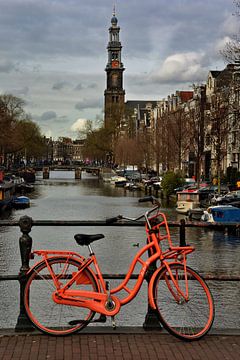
(96, 170)
(73, 167)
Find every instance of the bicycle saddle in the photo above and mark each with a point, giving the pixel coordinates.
(83, 239)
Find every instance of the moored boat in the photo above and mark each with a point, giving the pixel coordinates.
(222, 214)
(20, 202)
(187, 200)
(195, 214)
(118, 180)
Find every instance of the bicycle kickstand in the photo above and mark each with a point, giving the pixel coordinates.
(110, 305)
(113, 322)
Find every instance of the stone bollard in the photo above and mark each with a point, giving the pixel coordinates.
(25, 244)
(46, 172)
(78, 173)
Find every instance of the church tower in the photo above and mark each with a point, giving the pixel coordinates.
(114, 94)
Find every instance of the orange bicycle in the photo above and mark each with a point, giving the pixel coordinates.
(64, 290)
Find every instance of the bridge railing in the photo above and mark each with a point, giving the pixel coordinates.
(25, 223)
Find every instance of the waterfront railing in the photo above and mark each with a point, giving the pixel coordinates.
(25, 223)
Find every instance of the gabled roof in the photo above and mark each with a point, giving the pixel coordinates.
(215, 73)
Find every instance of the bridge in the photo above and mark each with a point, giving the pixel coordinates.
(95, 170)
(68, 167)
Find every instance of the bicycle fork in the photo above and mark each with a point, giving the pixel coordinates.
(174, 287)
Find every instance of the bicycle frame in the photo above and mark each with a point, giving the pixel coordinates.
(97, 301)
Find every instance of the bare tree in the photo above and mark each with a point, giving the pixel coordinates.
(220, 127)
(231, 51)
(128, 152)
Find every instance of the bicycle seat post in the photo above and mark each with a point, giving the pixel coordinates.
(90, 249)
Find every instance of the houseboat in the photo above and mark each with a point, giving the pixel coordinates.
(187, 200)
(7, 189)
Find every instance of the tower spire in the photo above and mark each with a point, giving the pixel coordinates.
(114, 93)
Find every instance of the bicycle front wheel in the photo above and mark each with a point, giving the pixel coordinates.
(189, 315)
(44, 313)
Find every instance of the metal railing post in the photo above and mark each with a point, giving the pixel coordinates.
(182, 232)
(25, 244)
(151, 318)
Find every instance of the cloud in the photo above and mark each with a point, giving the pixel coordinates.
(89, 103)
(181, 67)
(48, 115)
(231, 25)
(92, 86)
(78, 125)
(20, 92)
(79, 87)
(60, 85)
(6, 66)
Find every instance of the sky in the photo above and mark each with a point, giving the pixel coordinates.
(53, 53)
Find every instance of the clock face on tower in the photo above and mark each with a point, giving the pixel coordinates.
(115, 63)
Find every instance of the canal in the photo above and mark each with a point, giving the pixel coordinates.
(63, 198)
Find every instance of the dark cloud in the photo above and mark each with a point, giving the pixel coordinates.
(48, 115)
(6, 66)
(89, 103)
(79, 87)
(60, 85)
(92, 86)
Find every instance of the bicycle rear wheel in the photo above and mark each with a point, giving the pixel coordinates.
(44, 313)
(187, 319)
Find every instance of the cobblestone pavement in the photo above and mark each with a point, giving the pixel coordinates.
(149, 345)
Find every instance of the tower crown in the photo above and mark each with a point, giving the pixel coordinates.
(114, 20)
(114, 45)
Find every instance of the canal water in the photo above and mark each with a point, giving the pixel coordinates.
(63, 198)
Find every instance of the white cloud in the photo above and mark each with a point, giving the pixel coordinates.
(181, 67)
(221, 43)
(78, 125)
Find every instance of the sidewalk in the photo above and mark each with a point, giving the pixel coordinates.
(119, 344)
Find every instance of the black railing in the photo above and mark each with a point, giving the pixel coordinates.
(25, 223)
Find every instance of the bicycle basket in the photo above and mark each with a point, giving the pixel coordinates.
(159, 227)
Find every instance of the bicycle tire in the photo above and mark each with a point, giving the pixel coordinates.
(187, 320)
(46, 315)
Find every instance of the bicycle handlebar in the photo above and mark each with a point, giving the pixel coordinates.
(153, 200)
(113, 219)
